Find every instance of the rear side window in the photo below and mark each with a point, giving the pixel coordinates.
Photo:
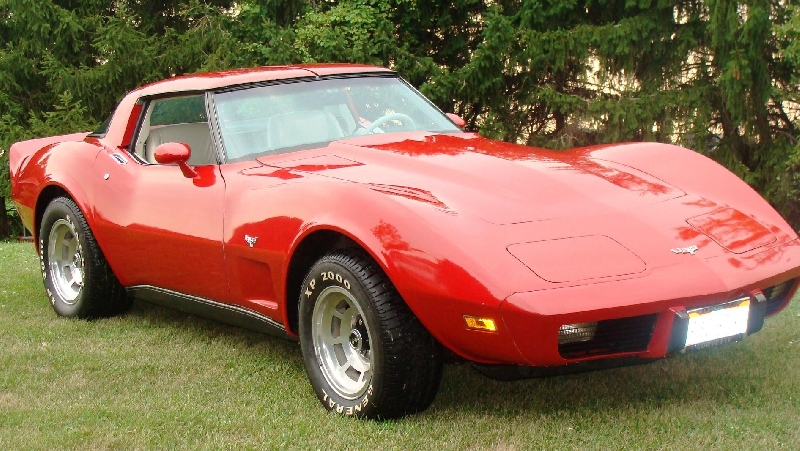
(181, 110)
(102, 129)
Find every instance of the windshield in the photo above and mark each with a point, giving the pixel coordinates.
(282, 118)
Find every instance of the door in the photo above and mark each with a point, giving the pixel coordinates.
(156, 226)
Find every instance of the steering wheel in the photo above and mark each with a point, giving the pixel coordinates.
(389, 117)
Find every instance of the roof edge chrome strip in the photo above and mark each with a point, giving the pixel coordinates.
(312, 77)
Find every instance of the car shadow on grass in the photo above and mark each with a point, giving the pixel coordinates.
(200, 328)
(735, 373)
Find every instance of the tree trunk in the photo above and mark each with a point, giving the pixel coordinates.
(5, 227)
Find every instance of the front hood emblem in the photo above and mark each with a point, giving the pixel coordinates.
(251, 240)
(685, 250)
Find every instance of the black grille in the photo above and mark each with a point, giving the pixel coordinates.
(614, 336)
(776, 294)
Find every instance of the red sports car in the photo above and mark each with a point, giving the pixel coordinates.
(335, 205)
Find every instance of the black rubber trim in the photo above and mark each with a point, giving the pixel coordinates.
(517, 372)
(758, 311)
(680, 328)
(207, 308)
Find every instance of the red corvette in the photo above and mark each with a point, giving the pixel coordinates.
(335, 205)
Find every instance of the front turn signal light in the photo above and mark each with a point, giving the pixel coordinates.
(475, 323)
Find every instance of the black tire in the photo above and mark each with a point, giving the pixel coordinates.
(76, 276)
(405, 361)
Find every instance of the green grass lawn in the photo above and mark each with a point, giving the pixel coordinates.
(156, 378)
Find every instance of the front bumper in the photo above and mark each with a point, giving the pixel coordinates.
(653, 304)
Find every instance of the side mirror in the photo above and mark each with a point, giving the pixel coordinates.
(460, 123)
(175, 153)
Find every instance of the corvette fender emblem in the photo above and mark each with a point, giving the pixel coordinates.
(251, 240)
(685, 250)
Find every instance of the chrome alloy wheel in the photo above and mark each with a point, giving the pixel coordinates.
(342, 342)
(65, 260)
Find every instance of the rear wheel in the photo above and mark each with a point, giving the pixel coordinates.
(365, 352)
(76, 276)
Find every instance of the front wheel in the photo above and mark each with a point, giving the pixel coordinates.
(365, 352)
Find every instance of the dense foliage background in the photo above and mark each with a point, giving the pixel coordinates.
(718, 76)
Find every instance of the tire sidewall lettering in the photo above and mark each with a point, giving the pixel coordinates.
(405, 360)
(349, 409)
(43, 265)
(314, 284)
(333, 277)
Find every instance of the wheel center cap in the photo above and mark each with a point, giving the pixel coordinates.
(355, 339)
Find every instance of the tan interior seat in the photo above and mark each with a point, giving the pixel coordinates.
(196, 135)
(302, 127)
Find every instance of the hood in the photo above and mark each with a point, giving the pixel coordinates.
(498, 182)
(565, 206)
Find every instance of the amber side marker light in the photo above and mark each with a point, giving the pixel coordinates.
(475, 323)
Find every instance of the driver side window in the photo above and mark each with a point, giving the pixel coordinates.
(176, 119)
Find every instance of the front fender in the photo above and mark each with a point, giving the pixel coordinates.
(696, 174)
(432, 256)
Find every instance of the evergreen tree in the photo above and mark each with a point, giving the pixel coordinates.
(718, 76)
